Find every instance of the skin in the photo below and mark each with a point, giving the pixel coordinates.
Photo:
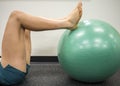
(16, 44)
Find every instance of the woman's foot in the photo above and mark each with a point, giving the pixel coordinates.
(74, 17)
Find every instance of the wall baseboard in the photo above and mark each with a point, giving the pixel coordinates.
(43, 58)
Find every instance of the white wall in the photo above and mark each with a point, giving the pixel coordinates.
(45, 43)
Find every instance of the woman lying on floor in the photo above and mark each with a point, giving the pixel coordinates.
(16, 44)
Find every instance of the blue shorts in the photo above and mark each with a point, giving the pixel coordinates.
(10, 75)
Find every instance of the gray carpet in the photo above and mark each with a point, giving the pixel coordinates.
(51, 74)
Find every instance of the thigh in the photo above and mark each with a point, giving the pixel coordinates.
(13, 45)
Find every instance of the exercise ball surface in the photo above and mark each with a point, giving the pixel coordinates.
(91, 52)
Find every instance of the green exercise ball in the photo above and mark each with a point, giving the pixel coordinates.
(90, 53)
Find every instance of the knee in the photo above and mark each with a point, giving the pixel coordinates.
(15, 14)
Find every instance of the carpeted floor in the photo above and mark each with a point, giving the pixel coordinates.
(51, 74)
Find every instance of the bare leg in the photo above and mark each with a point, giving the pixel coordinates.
(13, 44)
(14, 47)
(39, 23)
(28, 46)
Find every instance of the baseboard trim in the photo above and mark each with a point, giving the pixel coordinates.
(43, 58)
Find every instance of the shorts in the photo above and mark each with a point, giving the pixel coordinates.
(10, 75)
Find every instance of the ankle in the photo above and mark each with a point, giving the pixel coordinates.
(70, 25)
